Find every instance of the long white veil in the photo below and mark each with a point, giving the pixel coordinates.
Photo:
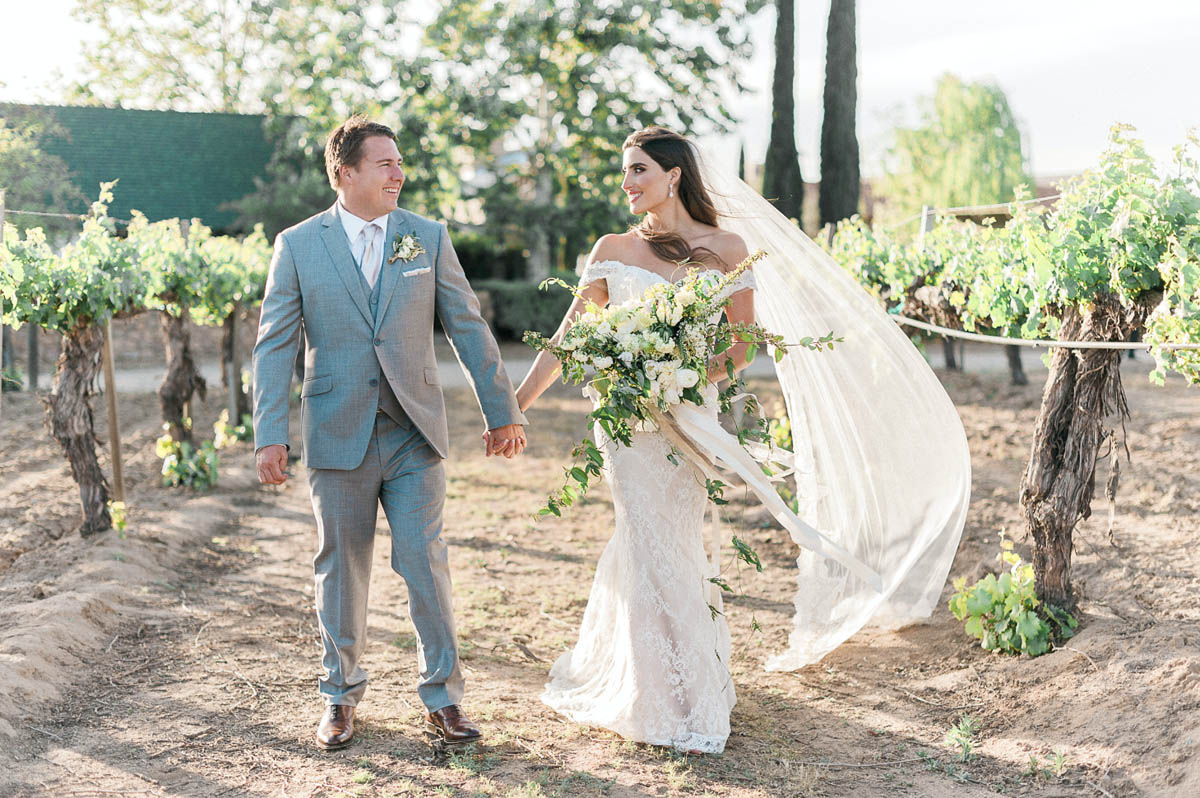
(882, 465)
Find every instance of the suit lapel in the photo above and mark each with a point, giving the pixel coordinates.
(334, 237)
(389, 273)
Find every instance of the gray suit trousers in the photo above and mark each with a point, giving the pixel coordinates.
(402, 472)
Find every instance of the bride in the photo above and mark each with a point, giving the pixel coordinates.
(652, 660)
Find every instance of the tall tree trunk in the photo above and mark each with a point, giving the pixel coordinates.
(782, 182)
(68, 417)
(182, 379)
(231, 362)
(1083, 388)
(840, 181)
(1016, 371)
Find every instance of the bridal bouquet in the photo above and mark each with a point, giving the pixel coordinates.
(647, 355)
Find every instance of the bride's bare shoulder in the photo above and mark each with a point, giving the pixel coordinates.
(614, 246)
(730, 248)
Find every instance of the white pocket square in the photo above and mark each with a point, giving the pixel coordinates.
(415, 272)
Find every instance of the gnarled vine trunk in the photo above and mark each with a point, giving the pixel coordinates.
(1082, 390)
(68, 417)
(182, 379)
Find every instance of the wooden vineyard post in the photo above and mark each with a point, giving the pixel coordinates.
(234, 376)
(114, 429)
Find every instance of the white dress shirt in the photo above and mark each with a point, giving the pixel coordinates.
(358, 242)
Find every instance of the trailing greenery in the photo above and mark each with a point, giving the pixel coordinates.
(1003, 612)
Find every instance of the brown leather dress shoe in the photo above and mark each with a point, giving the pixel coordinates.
(337, 727)
(449, 725)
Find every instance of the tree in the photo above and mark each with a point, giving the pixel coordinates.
(840, 181)
(32, 179)
(543, 94)
(782, 182)
(965, 150)
(242, 56)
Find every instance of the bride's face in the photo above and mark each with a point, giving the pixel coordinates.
(646, 184)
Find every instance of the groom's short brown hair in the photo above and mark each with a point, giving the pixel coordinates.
(345, 143)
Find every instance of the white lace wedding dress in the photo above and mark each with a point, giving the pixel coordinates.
(652, 661)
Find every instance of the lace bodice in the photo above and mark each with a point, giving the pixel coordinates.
(626, 281)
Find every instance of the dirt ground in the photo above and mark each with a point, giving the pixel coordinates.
(181, 659)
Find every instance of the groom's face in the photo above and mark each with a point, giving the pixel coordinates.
(371, 188)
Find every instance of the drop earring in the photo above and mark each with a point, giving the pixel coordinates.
(670, 190)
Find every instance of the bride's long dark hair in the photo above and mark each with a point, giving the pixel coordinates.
(669, 150)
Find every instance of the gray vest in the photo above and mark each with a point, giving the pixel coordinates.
(388, 403)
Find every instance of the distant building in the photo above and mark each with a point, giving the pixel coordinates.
(169, 163)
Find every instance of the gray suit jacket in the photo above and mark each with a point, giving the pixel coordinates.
(314, 278)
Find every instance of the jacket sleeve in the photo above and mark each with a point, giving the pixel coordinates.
(473, 343)
(275, 350)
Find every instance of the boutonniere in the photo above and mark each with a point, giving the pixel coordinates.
(406, 248)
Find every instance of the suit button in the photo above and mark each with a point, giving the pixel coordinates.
(378, 341)
(372, 382)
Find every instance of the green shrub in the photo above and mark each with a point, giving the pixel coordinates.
(226, 434)
(484, 258)
(187, 466)
(1004, 612)
(520, 306)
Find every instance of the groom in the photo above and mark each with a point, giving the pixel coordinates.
(366, 280)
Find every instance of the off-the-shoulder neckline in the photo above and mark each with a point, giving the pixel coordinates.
(644, 269)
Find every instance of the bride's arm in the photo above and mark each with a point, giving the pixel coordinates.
(545, 368)
(740, 309)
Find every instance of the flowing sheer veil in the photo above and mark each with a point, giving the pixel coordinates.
(882, 466)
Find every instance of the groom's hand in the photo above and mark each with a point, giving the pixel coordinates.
(508, 440)
(271, 461)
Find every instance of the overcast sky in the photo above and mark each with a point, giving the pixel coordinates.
(1070, 68)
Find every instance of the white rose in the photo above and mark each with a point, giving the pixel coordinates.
(626, 358)
(581, 357)
(687, 377)
(685, 297)
(602, 362)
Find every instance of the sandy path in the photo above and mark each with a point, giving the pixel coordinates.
(208, 684)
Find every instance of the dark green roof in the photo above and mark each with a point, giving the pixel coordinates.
(169, 163)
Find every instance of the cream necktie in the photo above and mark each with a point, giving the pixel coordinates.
(370, 259)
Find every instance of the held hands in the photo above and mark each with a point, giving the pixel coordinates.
(271, 462)
(508, 440)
